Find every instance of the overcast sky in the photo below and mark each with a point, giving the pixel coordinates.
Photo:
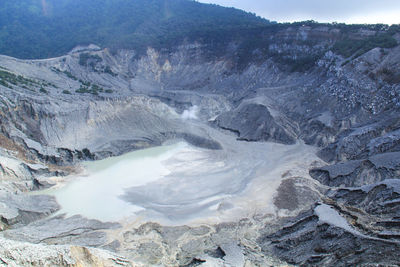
(348, 11)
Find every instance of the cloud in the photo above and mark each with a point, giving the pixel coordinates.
(349, 11)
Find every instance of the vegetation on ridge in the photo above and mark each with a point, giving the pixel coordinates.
(42, 29)
(30, 30)
(355, 48)
(8, 79)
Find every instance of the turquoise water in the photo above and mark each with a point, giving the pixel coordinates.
(96, 195)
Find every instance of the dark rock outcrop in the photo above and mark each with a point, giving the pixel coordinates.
(253, 122)
(311, 239)
(359, 172)
(380, 199)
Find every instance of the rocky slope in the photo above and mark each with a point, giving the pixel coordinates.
(92, 104)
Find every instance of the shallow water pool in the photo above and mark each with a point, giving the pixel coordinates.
(96, 194)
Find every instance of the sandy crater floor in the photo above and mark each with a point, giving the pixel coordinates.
(181, 184)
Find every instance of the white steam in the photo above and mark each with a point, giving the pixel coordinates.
(191, 113)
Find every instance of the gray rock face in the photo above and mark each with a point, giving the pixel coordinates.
(58, 230)
(14, 253)
(25, 209)
(311, 238)
(349, 108)
(253, 122)
(379, 199)
(359, 172)
(368, 140)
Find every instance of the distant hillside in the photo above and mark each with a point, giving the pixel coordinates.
(47, 28)
(31, 29)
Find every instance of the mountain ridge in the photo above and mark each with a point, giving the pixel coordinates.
(322, 99)
(56, 29)
(113, 24)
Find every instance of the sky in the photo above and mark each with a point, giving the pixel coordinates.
(347, 11)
